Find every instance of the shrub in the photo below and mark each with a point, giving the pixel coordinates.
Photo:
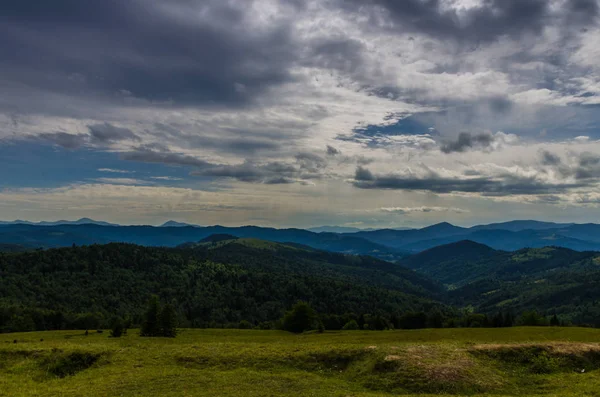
(117, 329)
(351, 325)
(245, 325)
(301, 318)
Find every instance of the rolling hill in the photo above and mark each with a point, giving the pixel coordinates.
(216, 283)
(551, 280)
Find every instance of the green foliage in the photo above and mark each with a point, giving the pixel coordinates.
(320, 327)
(86, 286)
(351, 325)
(117, 328)
(168, 321)
(302, 317)
(152, 319)
(245, 325)
(532, 319)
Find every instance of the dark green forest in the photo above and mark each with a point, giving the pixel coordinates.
(215, 285)
(249, 283)
(550, 280)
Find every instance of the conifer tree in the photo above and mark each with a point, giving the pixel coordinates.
(151, 325)
(168, 321)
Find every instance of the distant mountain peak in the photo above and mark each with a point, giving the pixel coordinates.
(173, 223)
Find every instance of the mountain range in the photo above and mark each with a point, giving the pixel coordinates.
(388, 244)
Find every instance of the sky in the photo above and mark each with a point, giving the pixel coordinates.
(299, 113)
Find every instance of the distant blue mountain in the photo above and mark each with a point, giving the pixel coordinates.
(82, 221)
(388, 244)
(176, 224)
(517, 226)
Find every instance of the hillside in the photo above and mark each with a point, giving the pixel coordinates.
(214, 284)
(455, 263)
(551, 280)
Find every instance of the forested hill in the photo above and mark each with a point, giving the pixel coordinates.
(550, 280)
(212, 284)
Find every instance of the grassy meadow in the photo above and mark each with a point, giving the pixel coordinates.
(479, 362)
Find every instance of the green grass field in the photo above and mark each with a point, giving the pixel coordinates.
(481, 362)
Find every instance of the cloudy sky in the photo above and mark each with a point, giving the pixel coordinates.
(367, 113)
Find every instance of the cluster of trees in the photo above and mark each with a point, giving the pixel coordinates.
(302, 317)
(159, 321)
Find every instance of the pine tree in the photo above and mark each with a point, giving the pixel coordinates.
(151, 324)
(554, 322)
(168, 321)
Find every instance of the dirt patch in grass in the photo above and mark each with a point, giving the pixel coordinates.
(66, 364)
(429, 369)
(544, 358)
(54, 363)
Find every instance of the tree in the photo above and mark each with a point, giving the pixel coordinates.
(554, 321)
(301, 318)
(321, 327)
(117, 328)
(168, 321)
(412, 320)
(532, 318)
(245, 324)
(435, 319)
(351, 325)
(151, 324)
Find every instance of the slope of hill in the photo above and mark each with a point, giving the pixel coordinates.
(13, 248)
(552, 280)
(451, 264)
(217, 283)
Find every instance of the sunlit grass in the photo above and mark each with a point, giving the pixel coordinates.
(274, 363)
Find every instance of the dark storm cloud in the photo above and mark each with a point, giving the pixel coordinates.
(150, 155)
(307, 166)
(487, 22)
(68, 141)
(500, 105)
(588, 166)
(107, 133)
(501, 185)
(549, 158)
(184, 51)
(583, 166)
(242, 142)
(466, 141)
(342, 54)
